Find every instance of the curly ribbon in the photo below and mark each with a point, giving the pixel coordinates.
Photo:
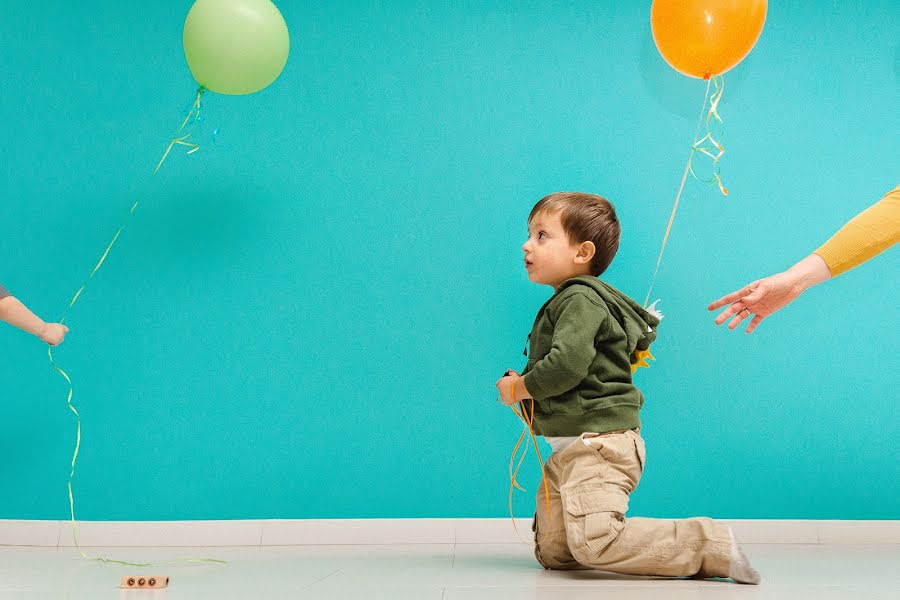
(179, 140)
(193, 113)
(712, 117)
(528, 420)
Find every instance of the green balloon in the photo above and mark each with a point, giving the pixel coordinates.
(235, 46)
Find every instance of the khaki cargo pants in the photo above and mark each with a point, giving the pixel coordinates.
(586, 528)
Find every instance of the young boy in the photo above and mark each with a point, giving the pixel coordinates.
(583, 344)
(15, 313)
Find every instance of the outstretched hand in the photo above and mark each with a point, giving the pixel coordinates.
(764, 297)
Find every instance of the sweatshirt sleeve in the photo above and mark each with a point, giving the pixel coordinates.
(869, 233)
(3, 292)
(572, 351)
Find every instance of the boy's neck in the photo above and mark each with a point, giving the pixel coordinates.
(571, 276)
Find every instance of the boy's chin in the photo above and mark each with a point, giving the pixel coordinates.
(539, 281)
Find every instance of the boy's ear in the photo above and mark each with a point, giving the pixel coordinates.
(586, 252)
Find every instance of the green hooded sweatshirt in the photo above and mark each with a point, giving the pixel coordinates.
(583, 344)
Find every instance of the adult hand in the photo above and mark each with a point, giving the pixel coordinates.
(764, 297)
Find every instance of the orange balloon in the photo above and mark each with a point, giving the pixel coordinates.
(704, 38)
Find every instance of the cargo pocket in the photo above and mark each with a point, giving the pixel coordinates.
(599, 508)
(641, 450)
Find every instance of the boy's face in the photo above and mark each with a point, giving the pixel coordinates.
(550, 258)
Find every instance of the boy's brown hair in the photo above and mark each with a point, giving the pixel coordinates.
(585, 218)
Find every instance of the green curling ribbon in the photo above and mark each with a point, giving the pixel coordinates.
(180, 139)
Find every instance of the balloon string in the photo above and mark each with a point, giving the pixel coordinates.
(687, 169)
(193, 114)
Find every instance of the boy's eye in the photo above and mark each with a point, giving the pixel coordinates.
(542, 235)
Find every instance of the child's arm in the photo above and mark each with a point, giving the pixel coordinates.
(570, 356)
(17, 314)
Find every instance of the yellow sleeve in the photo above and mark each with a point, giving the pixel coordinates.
(871, 232)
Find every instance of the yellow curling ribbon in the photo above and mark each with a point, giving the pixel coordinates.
(712, 117)
(178, 140)
(528, 420)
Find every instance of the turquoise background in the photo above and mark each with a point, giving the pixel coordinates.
(306, 318)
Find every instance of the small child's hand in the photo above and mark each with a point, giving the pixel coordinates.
(504, 386)
(53, 333)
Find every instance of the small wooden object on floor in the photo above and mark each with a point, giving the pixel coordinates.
(144, 582)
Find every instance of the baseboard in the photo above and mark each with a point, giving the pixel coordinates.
(301, 532)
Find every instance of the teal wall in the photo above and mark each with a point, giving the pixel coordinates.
(306, 318)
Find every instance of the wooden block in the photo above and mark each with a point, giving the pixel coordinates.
(144, 582)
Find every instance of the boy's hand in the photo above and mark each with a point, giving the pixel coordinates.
(53, 333)
(504, 386)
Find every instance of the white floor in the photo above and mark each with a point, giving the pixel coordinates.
(435, 572)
